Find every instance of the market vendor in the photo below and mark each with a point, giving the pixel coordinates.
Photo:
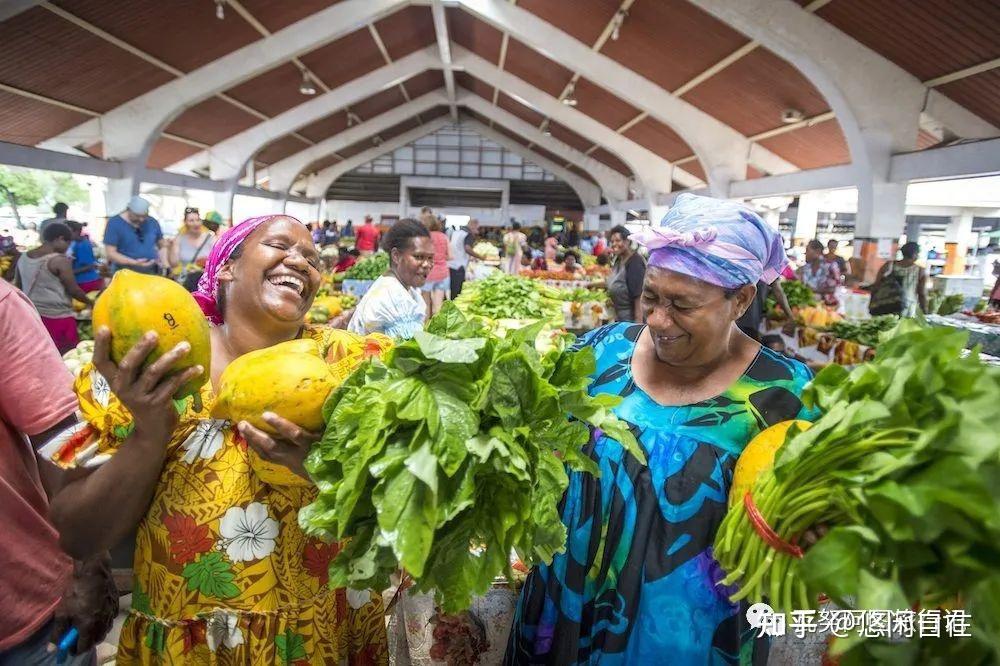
(637, 582)
(625, 280)
(223, 573)
(571, 263)
(394, 304)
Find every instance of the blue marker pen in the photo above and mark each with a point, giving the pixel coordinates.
(68, 641)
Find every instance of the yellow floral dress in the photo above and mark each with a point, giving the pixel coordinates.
(223, 573)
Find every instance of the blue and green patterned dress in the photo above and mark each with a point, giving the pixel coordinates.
(637, 583)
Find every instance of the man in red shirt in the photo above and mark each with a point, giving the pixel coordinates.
(366, 237)
(42, 592)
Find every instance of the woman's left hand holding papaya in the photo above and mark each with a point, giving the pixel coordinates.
(288, 448)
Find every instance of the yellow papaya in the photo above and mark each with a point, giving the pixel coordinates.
(290, 379)
(135, 303)
(758, 456)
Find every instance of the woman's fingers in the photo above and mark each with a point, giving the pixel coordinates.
(152, 375)
(102, 354)
(167, 388)
(131, 365)
(290, 431)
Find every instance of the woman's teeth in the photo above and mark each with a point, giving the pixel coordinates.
(289, 281)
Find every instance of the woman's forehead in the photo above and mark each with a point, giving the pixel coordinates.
(671, 283)
(288, 225)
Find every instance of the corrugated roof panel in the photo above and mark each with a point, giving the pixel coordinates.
(481, 38)
(603, 106)
(408, 30)
(47, 55)
(568, 136)
(811, 147)
(277, 14)
(182, 33)
(421, 84)
(27, 121)
(474, 85)
(272, 92)
(659, 138)
(695, 168)
(332, 124)
(586, 23)
(379, 103)
(979, 94)
(929, 38)
(750, 94)
(280, 149)
(611, 160)
(346, 59)
(508, 103)
(211, 121)
(167, 151)
(531, 66)
(671, 41)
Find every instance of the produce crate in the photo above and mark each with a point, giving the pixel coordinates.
(356, 288)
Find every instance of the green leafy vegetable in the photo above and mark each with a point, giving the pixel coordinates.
(797, 293)
(904, 465)
(864, 332)
(369, 268)
(450, 454)
(503, 296)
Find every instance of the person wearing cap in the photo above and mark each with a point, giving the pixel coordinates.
(637, 580)
(133, 239)
(84, 262)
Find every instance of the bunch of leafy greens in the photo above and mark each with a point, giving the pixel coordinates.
(866, 331)
(502, 296)
(369, 268)
(904, 465)
(450, 454)
(797, 293)
(580, 295)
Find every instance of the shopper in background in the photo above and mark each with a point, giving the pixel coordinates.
(346, 259)
(85, 266)
(820, 275)
(514, 242)
(627, 272)
(463, 240)
(912, 279)
(330, 235)
(435, 290)
(45, 275)
(831, 255)
(348, 230)
(366, 237)
(61, 213)
(42, 591)
(133, 239)
(551, 249)
(587, 242)
(636, 582)
(393, 305)
(189, 250)
(571, 263)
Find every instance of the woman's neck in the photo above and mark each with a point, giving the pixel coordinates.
(193, 233)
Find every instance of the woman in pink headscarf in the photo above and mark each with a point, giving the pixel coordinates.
(223, 573)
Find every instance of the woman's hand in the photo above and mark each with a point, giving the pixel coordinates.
(289, 448)
(147, 393)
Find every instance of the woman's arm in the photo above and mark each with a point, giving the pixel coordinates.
(922, 290)
(63, 269)
(174, 253)
(779, 295)
(97, 508)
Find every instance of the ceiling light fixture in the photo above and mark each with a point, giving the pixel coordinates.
(616, 24)
(220, 11)
(377, 140)
(307, 87)
(547, 132)
(568, 99)
(789, 116)
(352, 118)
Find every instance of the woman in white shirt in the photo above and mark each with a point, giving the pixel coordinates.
(394, 305)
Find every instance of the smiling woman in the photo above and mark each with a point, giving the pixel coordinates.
(637, 579)
(223, 572)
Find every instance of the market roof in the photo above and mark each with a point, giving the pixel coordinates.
(76, 74)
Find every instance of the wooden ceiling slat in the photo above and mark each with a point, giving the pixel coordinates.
(211, 121)
(671, 41)
(610, 160)
(47, 55)
(531, 66)
(346, 59)
(659, 138)
(821, 145)
(479, 37)
(979, 94)
(750, 94)
(272, 92)
(332, 124)
(379, 103)
(27, 121)
(473, 85)
(508, 103)
(167, 151)
(602, 106)
(421, 84)
(568, 136)
(584, 23)
(280, 149)
(407, 30)
(182, 33)
(278, 14)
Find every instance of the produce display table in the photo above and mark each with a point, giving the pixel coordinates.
(985, 335)
(356, 288)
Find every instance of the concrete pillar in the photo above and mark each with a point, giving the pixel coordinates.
(957, 239)
(591, 220)
(119, 191)
(880, 221)
(772, 217)
(617, 217)
(224, 203)
(913, 228)
(804, 229)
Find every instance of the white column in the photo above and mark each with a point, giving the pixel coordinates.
(224, 202)
(591, 220)
(120, 190)
(957, 239)
(881, 217)
(617, 217)
(805, 220)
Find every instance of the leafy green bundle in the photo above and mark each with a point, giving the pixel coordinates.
(502, 296)
(797, 293)
(450, 454)
(905, 466)
(580, 295)
(865, 332)
(369, 268)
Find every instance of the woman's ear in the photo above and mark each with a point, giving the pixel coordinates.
(744, 297)
(225, 273)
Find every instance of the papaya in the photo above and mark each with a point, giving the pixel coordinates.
(758, 456)
(135, 303)
(290, 379)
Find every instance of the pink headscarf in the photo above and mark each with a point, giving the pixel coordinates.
(207, 294)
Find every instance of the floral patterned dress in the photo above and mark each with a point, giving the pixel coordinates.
(223, 573)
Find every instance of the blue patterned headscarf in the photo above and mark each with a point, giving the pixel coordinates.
(720, 242)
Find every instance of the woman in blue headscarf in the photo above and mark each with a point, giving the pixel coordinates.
(637, 583)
